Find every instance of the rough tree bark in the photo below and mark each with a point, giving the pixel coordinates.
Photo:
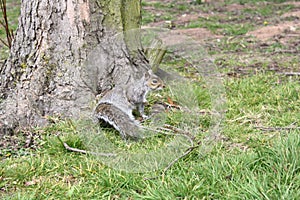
(55, 67)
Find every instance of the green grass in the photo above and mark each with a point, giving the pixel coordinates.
(268, 10)
(253, 1)
(250, 164)
(269, 171)
(216, 25)
(262, 100)
(240, 22)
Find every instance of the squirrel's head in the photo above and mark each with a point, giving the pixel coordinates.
(154, 82)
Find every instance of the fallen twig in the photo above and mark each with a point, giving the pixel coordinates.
(189, 150)
(167, 128)
(178, 131)
(162, 174)
(199, 143)
(276, 128)
(84, 151)
(290, 73)
(286, 51)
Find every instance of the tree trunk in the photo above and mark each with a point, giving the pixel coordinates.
(64, 55)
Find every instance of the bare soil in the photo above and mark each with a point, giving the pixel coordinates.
(262, 33)
(282, 30)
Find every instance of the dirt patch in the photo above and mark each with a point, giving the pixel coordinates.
(164, 1)
(268, 32)
(176, 37)
(17, 143)
(183, 20)
(292, 14)
(250, 64)
(279, 36)
(199, 34)
(296, 4)
(235, 7)
(187, 18)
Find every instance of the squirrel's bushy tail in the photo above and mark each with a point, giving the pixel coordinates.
(127, 127)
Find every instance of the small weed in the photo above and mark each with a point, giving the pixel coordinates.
(12, 12)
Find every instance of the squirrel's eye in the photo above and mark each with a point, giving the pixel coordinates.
(154, 81)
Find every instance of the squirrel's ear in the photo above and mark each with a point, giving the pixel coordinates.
(147, 74)
(150, 72)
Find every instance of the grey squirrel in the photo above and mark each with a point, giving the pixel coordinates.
(117, 105)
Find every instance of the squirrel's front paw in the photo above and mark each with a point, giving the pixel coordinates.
(145, 117)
